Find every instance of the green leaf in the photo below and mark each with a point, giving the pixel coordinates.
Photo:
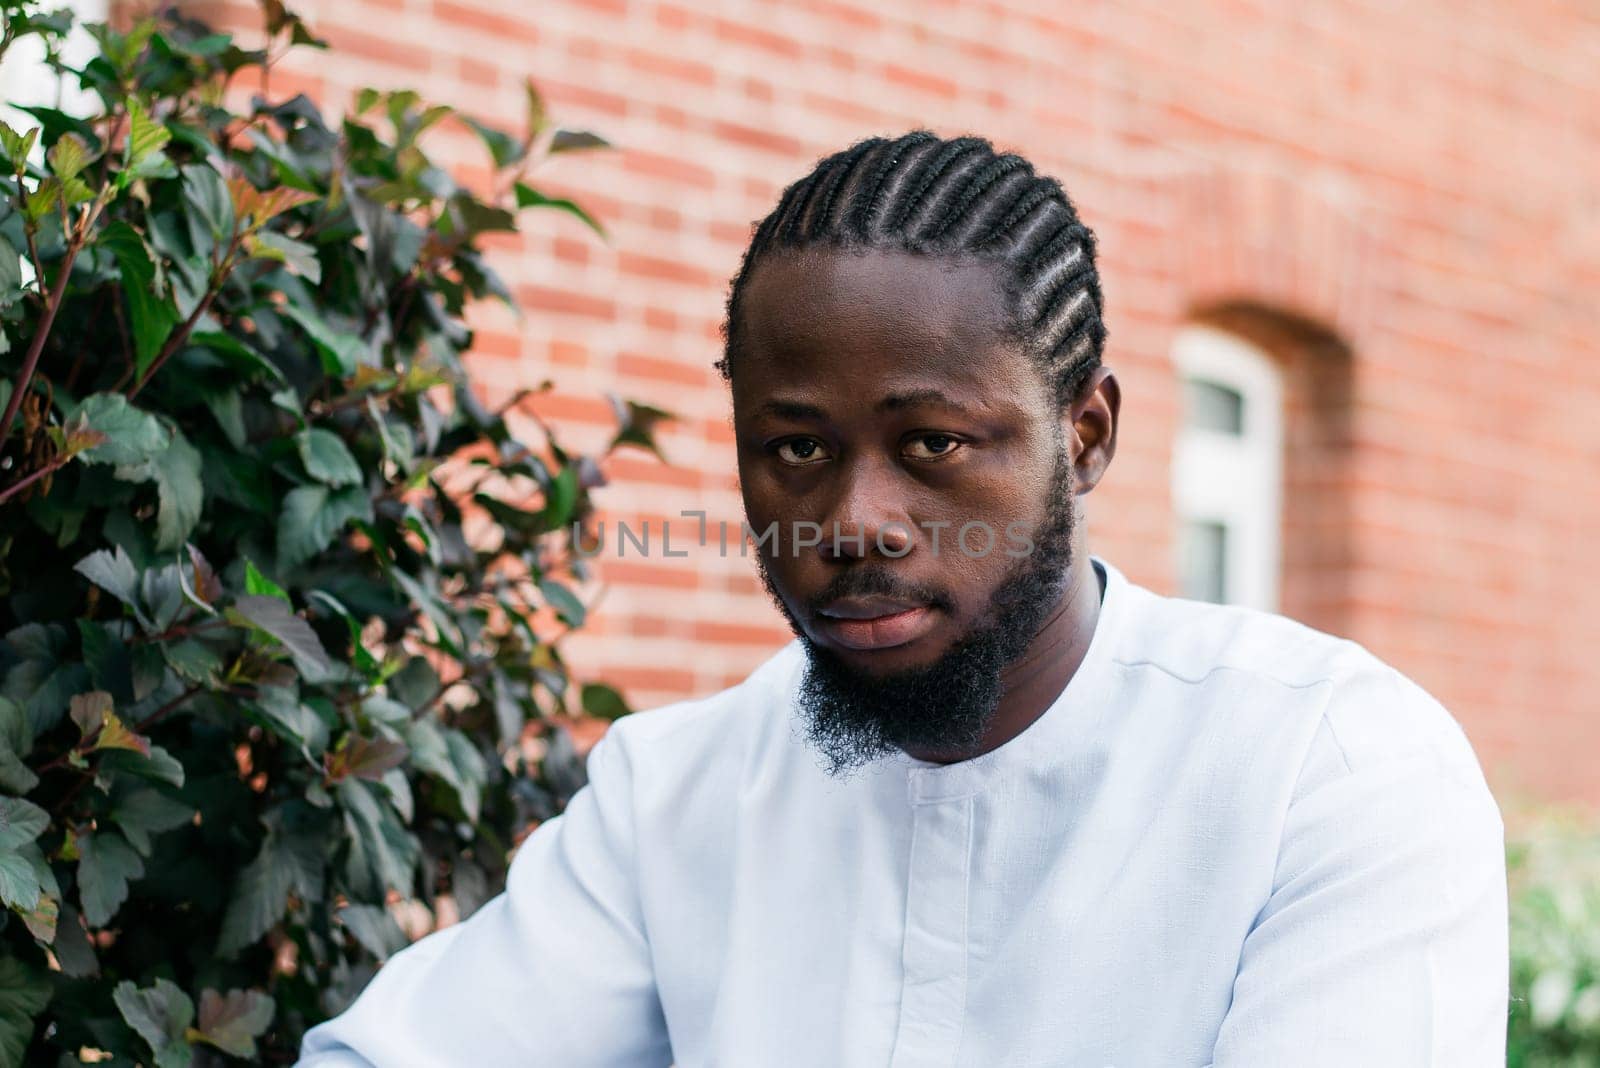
(529, 197)
(23, 996)
(14, 774)
(113, 571)
(431, 752)
(75, 191)
(11, 287)
(236, 352)
(563, 600)
(503, 148)
(21, 821)
(152, 315)
(560, 500)
(359, 757)
(208, 200)
(14, 732)
(287, 861)
(365, 662)
(89, 711)
(382, 854)
(132, 436)
(19, 883)
(232, 1022)
(601, 700)
(257, 583)
(161, 1015)
(69, 156)
(42, 200)
(71, 945)
(277, 619)
(106, 864)
(115, 735)
(341, 352)
(42, 918)
(374, 929)
(298, 256)
(17, 146)
(300, 723)
(313, 516)
(158, 764)
(194, 660)
(142, 156)
(179, 492)
(576, 141)
(636, 424)
(326, 458)
(144, 812)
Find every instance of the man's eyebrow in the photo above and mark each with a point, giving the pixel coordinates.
(787, 409)
(790, 409)
(897, 401)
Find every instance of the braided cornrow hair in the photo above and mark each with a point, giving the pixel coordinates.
(957, 198)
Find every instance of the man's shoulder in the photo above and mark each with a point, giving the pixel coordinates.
(1372, 711)
(1206, 643)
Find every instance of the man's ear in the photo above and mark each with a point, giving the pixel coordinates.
(1089, 424)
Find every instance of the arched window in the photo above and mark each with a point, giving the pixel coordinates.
(1227, 470)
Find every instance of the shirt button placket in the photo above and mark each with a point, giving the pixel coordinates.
(934, 955)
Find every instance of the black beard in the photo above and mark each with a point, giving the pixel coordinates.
(853, 718)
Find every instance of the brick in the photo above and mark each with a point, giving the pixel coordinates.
(757, 137)
(757, 39)
(566, 302)
(922, 81)
(675, 169)
(664, 269)
(671, 68)
(487, 21)
(663, 370)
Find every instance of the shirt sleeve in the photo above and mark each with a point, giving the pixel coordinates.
(1384, 939)
(556, 970)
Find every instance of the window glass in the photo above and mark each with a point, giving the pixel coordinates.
(1204, 551)
(1212, 406)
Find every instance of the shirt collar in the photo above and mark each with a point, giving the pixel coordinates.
(1088, 685)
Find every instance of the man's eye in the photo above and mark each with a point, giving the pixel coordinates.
(931, 446)
(801, 451)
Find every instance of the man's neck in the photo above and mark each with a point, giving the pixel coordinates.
(1033, 681)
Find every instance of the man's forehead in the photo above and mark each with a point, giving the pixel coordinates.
(905, 322)
(789, 288)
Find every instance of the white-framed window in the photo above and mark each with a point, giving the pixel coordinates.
(1227, 470)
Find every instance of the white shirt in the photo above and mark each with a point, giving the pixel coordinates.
(1232, 840)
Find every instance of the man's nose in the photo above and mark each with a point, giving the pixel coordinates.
(867, 517)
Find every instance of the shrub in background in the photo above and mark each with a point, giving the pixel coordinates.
(1555, 942)
(280, 598)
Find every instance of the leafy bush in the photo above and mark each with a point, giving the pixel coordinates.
(1555, 943)
(281, 598)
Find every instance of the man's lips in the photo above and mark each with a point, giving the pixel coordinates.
(867, 623)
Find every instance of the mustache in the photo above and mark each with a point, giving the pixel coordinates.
(878, 582)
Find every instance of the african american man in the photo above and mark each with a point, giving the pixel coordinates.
(999, 808)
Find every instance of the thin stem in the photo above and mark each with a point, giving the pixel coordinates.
(33, 249)
(31, 360)
(181, 334)
(80, 235)
(50, 468)
(167, 709)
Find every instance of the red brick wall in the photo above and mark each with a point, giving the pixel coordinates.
(1409, 187)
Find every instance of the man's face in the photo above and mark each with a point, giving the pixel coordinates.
(878, 395)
